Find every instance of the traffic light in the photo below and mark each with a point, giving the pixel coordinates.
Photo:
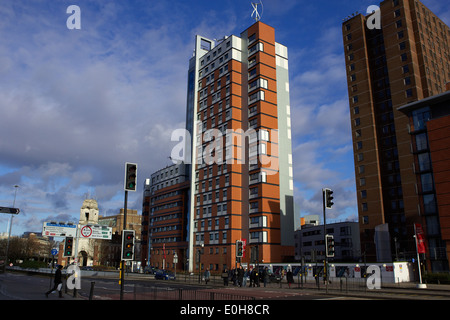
(68, 247)
(329, 245)
(239, 249)
(130, 176)
(128, 245)
(328, 198)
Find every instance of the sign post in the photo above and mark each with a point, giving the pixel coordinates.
(9, 210)
(420, 248)
(175, 260)
(53, 229)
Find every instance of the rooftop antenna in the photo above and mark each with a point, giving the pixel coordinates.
(255, 14)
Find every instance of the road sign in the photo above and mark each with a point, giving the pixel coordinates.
(54, 252)
(96, 232)
(9, 210)
(86, 231)
(52, 229)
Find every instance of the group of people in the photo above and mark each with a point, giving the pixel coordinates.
(239, 277)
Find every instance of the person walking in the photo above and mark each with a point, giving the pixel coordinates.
(244, 280)
(265, 276)
(207, 275)
(289, 277)
(57, 286)
(225, 276)
(240, 276)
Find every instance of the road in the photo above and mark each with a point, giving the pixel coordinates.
(22, 286)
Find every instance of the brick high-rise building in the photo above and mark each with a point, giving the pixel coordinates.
(405, 60)
(165, 223)
(430, 145)
(238, 115)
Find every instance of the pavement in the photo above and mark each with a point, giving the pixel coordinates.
(20, 286)
(12, 286)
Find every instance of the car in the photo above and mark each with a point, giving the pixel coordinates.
(88, 268)
(149, 270)
(164, 275)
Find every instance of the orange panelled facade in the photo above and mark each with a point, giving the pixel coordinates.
(238, 198)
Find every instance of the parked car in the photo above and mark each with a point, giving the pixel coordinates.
(164, 275)
(88, 268)
(149, 270)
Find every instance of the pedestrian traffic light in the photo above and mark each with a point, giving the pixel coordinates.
(128, 245)
(239, 249)
(329, 245)
(328, 198)
(68, 247)
(130, 176)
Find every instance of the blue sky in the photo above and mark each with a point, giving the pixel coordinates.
(77, 104)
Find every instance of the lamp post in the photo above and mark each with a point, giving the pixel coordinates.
(200, 263)
(10, 224)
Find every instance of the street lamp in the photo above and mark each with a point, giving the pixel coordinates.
(200, 262)
(10, 224)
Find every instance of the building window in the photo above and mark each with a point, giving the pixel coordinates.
(257, 47)
(405, 69)
(427, 182)
(420, 118)
(359, 145)
(421, 142)
(364, 206)
(363, 194)
(362, 182)
(407, 81)
(365, 219)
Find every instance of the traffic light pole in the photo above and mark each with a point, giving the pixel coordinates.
(122, 262)
(325, 271)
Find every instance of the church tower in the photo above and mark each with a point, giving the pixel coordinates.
(89, 212)
(86, 247)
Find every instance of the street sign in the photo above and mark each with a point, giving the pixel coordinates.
(9, 210)
(52, 229)
(54, 252)
(96, 232)
(86, 231)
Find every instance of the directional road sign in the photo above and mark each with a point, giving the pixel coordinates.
(54, 252)
(96, 232)
(9, 210)
(52, 229)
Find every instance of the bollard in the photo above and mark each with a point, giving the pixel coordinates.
(91, 293)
